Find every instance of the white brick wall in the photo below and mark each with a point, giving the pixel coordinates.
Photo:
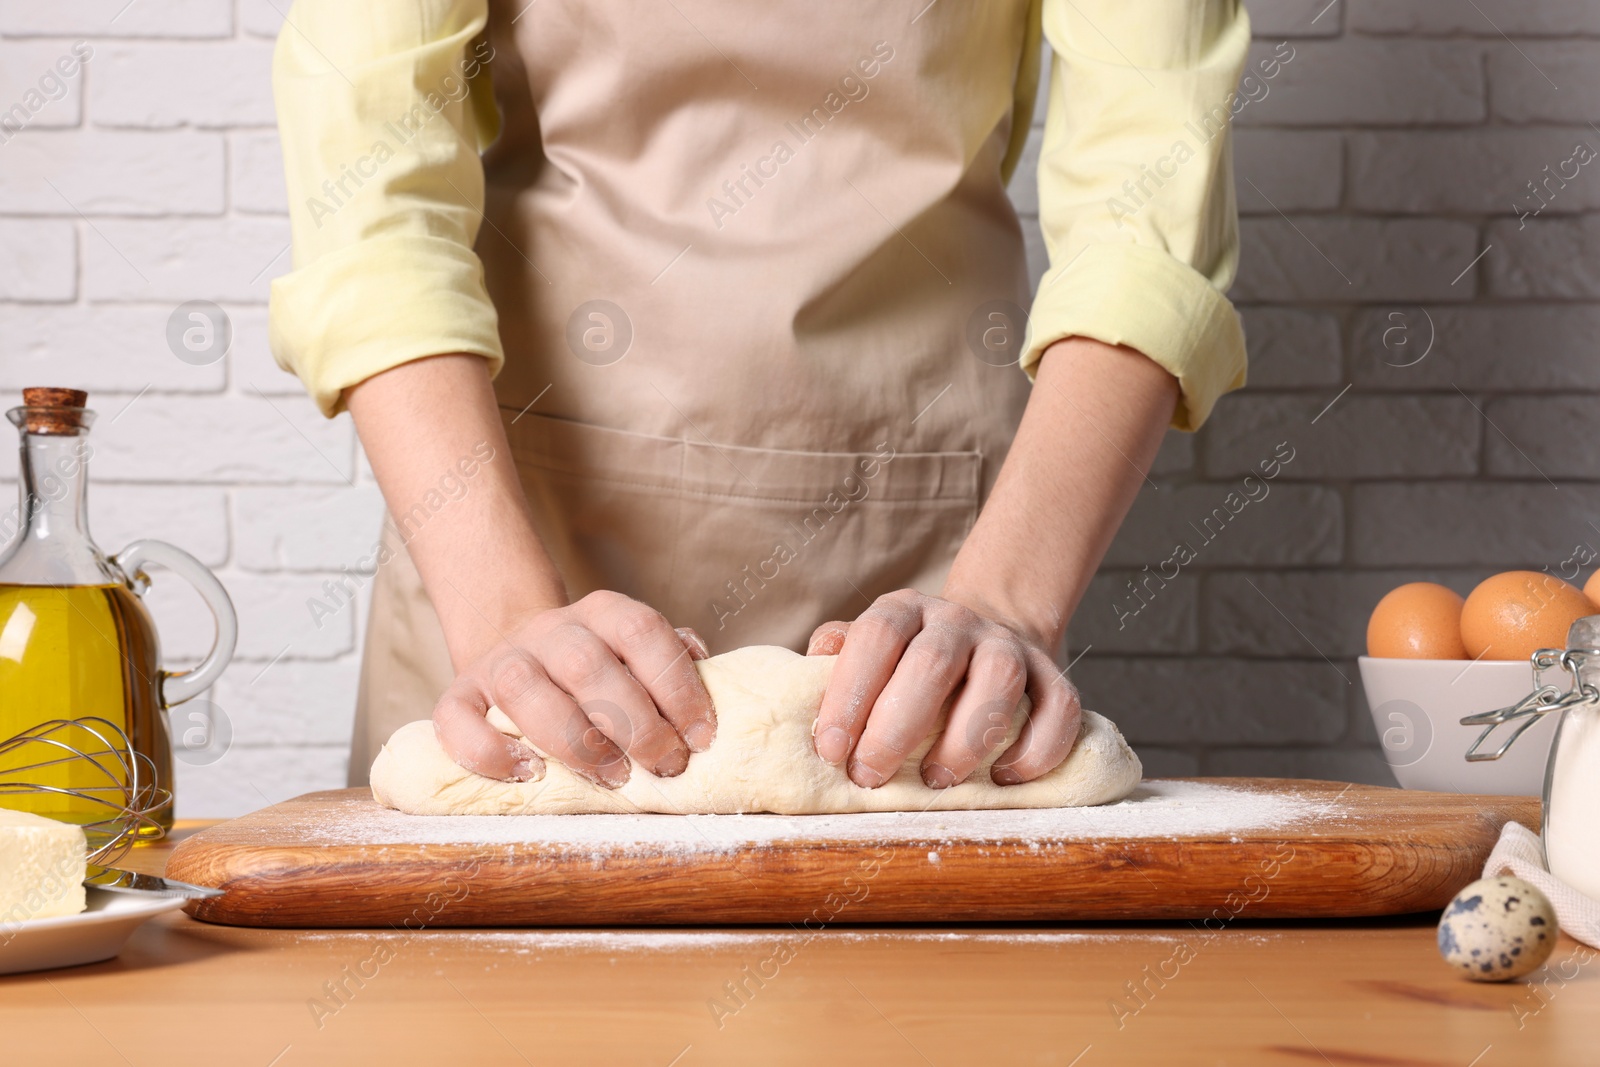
(1385, 157)
(154, 180)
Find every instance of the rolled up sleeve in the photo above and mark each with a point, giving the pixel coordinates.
(382, 111)
(1136, 195)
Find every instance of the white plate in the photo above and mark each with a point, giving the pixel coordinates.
(94, 934)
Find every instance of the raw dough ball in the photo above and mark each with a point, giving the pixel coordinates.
(761, 761)
(1498, 928)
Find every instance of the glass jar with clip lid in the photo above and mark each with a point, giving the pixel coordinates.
(1571, 821)
(76, 642)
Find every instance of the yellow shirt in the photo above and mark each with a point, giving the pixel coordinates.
(1136, 195)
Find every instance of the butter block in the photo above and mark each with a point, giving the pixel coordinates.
(42, 865)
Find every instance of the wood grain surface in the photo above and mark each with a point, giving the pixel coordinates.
(1351, 993)
(1380, 852)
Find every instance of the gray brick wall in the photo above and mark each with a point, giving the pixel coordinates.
(1385, 158)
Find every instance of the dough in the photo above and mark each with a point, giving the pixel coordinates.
(761, 761)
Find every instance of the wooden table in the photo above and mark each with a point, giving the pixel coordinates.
(1367, 993)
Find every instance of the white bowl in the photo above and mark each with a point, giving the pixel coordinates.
(1417, 706)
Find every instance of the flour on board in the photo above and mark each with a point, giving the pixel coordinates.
(1156, 809)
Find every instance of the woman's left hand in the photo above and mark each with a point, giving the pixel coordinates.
(903, 658)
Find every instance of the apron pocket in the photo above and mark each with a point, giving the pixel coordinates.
(746, 545)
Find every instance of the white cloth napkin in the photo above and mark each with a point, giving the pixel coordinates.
(1520, 852)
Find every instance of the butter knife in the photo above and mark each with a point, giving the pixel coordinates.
(120, 881)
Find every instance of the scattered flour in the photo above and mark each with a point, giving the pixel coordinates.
(1155, 810)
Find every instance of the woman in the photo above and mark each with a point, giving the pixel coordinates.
(749, 289)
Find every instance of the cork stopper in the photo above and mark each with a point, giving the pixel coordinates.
(54, 411)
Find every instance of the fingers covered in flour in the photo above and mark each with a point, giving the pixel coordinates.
(1052, 727)
(867, 661)
(907, 710)
(907, 658)
(827, 639)
(553, 721)
(982, 714)
(586, 669)
(593, 684)
(464, 733)
(660, 661)
(698, 649)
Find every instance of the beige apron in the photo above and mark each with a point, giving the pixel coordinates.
(744, 258)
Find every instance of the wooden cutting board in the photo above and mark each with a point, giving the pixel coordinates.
(1207, 850)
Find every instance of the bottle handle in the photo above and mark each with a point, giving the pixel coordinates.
(179, 686)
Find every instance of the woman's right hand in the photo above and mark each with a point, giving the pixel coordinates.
(595, 684)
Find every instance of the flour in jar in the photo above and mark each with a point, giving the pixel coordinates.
(1572, 824)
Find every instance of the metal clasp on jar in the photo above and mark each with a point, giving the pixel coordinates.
(1539, 703)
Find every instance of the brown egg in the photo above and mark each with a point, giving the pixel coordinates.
(1419, 620)
(1512, 615)
(1591, 589)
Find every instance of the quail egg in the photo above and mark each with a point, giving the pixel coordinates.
(1497, 928)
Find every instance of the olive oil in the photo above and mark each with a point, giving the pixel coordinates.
(76, 642)
(70, 652)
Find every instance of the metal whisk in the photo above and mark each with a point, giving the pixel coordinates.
(119, 789)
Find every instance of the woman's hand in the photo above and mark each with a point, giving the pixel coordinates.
(909, 653)
(594, 684)
(1088, 436)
